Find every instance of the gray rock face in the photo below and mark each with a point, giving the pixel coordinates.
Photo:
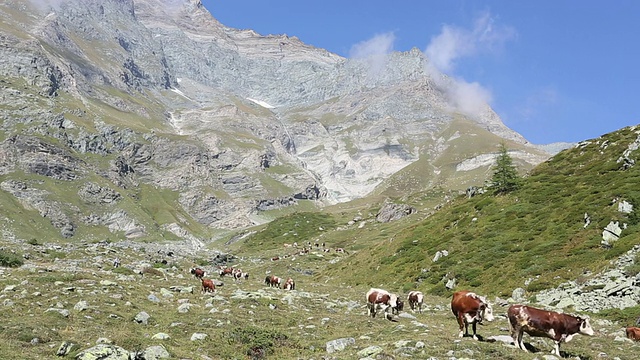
(144, 98)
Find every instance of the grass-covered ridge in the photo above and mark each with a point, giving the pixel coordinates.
(495, 243)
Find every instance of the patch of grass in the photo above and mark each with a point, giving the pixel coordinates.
(10, 259)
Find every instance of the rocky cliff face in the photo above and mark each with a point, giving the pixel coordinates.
(145, 118)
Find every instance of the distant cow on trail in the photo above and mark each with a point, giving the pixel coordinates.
(415, 299)
(470, 308)
(536, 322)
(383, 300)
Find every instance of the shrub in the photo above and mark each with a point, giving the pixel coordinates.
(8, 259)
(259, 342)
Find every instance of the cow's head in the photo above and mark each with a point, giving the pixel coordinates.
(485, 312)
(400, 305)
(393, 301)
(585, 327)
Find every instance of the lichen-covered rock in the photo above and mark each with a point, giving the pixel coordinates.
(104, 352)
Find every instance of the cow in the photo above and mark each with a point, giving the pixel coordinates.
(225, 271)
(273, 281)
(470, 308)
(381, 299)
(208, 285)
(198, 273)
(290, 284)
(536, 322)
(633, 333)
(415, 299)
(240, 274)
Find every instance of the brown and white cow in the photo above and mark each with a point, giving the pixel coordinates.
(536, 322)
(470, 308)
(415, 299)
(208, 286)
(378, 299)
(240, 274)
(198, 273)
(633, 333)
(289, 284)
(273, 281)
(225, 271)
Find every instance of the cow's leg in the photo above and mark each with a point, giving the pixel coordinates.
(461, 324)
(473, 327)
(556, 348)
(517, 335)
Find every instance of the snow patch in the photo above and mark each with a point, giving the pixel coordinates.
(261, 103)
(180, 93)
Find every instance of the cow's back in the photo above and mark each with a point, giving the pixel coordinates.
(461, 301)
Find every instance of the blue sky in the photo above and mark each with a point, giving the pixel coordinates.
(553, 70)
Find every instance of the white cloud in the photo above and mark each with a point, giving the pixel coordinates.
(454, 43)
(469, 98)
(380, 44)
(374, 51)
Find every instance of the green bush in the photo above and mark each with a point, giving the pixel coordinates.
(8, 259)
(259, 342)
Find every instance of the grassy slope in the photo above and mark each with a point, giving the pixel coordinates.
(495, 243)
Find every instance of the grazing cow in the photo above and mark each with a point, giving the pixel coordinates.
(381, 299)
(275, 258)
(208, 285)
(633, 333)
(537, 322)
(470, 308)
(226, 271)
(290, 284)
(240, 274)
(198, 273)
(273, 281)
(415, 299)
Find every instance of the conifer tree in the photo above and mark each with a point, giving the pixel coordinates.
(505, 175)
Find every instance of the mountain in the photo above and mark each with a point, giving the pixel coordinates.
(149, 119)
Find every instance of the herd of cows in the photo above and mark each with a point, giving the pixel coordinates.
(468, 307)
(209, 286)
(471, 309)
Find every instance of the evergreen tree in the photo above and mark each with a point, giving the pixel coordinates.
(505, 175)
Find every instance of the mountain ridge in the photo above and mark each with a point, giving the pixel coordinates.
(154, 96)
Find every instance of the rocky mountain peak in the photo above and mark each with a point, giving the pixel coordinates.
(158, 97)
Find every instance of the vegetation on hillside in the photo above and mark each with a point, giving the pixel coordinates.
(533, 236)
